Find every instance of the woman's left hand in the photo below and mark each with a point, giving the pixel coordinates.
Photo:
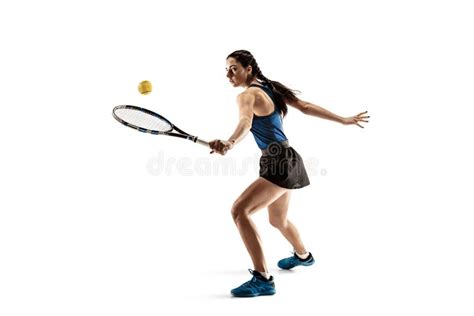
(220, 146)
(361, 117)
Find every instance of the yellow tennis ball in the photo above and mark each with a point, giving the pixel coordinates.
(144, 87)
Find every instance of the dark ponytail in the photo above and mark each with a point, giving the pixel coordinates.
(282, 93)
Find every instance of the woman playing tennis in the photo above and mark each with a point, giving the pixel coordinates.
(262, 107)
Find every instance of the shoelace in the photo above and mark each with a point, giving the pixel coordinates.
(251, 284)
(293, 256)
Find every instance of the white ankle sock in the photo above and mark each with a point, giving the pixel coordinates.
(302, 256)
(265, 275)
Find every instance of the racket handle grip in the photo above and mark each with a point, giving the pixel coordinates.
(202, 142)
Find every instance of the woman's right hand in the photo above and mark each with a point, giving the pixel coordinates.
(220, 146)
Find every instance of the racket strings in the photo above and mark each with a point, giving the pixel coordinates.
(143, 120)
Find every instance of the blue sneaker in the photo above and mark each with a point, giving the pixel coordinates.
(258, 285)
(291, 262)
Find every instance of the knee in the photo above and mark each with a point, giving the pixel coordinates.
(239, 211)
(278, 222)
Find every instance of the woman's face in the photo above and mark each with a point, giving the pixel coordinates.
(237, 74)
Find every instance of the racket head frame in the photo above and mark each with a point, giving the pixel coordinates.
(180, 134)
(138, 128)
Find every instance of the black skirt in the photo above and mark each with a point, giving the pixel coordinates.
(283, 166)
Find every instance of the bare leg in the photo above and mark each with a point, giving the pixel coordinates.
(258, 195)
(277, 215)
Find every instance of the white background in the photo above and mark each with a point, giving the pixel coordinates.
(89, 225)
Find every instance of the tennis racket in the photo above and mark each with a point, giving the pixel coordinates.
(147, 121)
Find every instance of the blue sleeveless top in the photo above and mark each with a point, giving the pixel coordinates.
(269, 128)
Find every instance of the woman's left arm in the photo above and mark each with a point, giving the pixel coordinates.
(318, 111)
